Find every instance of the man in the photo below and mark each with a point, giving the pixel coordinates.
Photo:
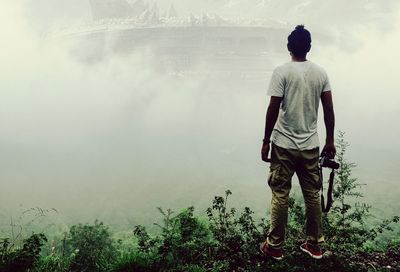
(291, 129)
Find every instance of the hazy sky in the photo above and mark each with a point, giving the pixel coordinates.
(115, 134)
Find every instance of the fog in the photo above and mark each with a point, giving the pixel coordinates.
(115, 138)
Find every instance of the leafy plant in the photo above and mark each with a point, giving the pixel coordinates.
(345, 226)
(21, 259)
(91, 246)
(237, 238)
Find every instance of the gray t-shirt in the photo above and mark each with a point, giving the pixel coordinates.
(300, 84)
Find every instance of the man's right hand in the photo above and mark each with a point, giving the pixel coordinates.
(329, 150)
(264, 152)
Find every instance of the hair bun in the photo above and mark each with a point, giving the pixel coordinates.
(300, 27)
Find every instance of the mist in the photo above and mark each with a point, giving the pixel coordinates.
(115, 138)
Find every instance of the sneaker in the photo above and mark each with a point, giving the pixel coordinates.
(275, 253)
(313, 250)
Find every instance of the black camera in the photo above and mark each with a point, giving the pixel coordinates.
(324, 161)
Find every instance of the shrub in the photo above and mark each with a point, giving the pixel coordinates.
(54, 262)
(237, 238)
(184, 240)
(93, 247)
(345, 226)
(21, 259)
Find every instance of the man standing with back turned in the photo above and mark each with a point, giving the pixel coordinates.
(291, 128)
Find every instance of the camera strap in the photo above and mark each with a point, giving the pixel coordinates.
(328, 206)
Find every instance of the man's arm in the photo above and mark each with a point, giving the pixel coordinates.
(329, 118)
(270, 120)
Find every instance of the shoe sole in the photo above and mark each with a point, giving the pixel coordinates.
(309, 253)
(263, 253)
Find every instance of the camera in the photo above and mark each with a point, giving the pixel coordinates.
(324, 161)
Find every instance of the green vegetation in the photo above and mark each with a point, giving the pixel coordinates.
(223, 240)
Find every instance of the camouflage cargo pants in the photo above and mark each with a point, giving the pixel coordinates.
(284, 163)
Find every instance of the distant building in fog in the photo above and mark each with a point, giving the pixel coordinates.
(194, 43)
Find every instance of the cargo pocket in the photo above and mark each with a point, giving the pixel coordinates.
(274, 174)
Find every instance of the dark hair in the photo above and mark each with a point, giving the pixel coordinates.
(299, 41)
